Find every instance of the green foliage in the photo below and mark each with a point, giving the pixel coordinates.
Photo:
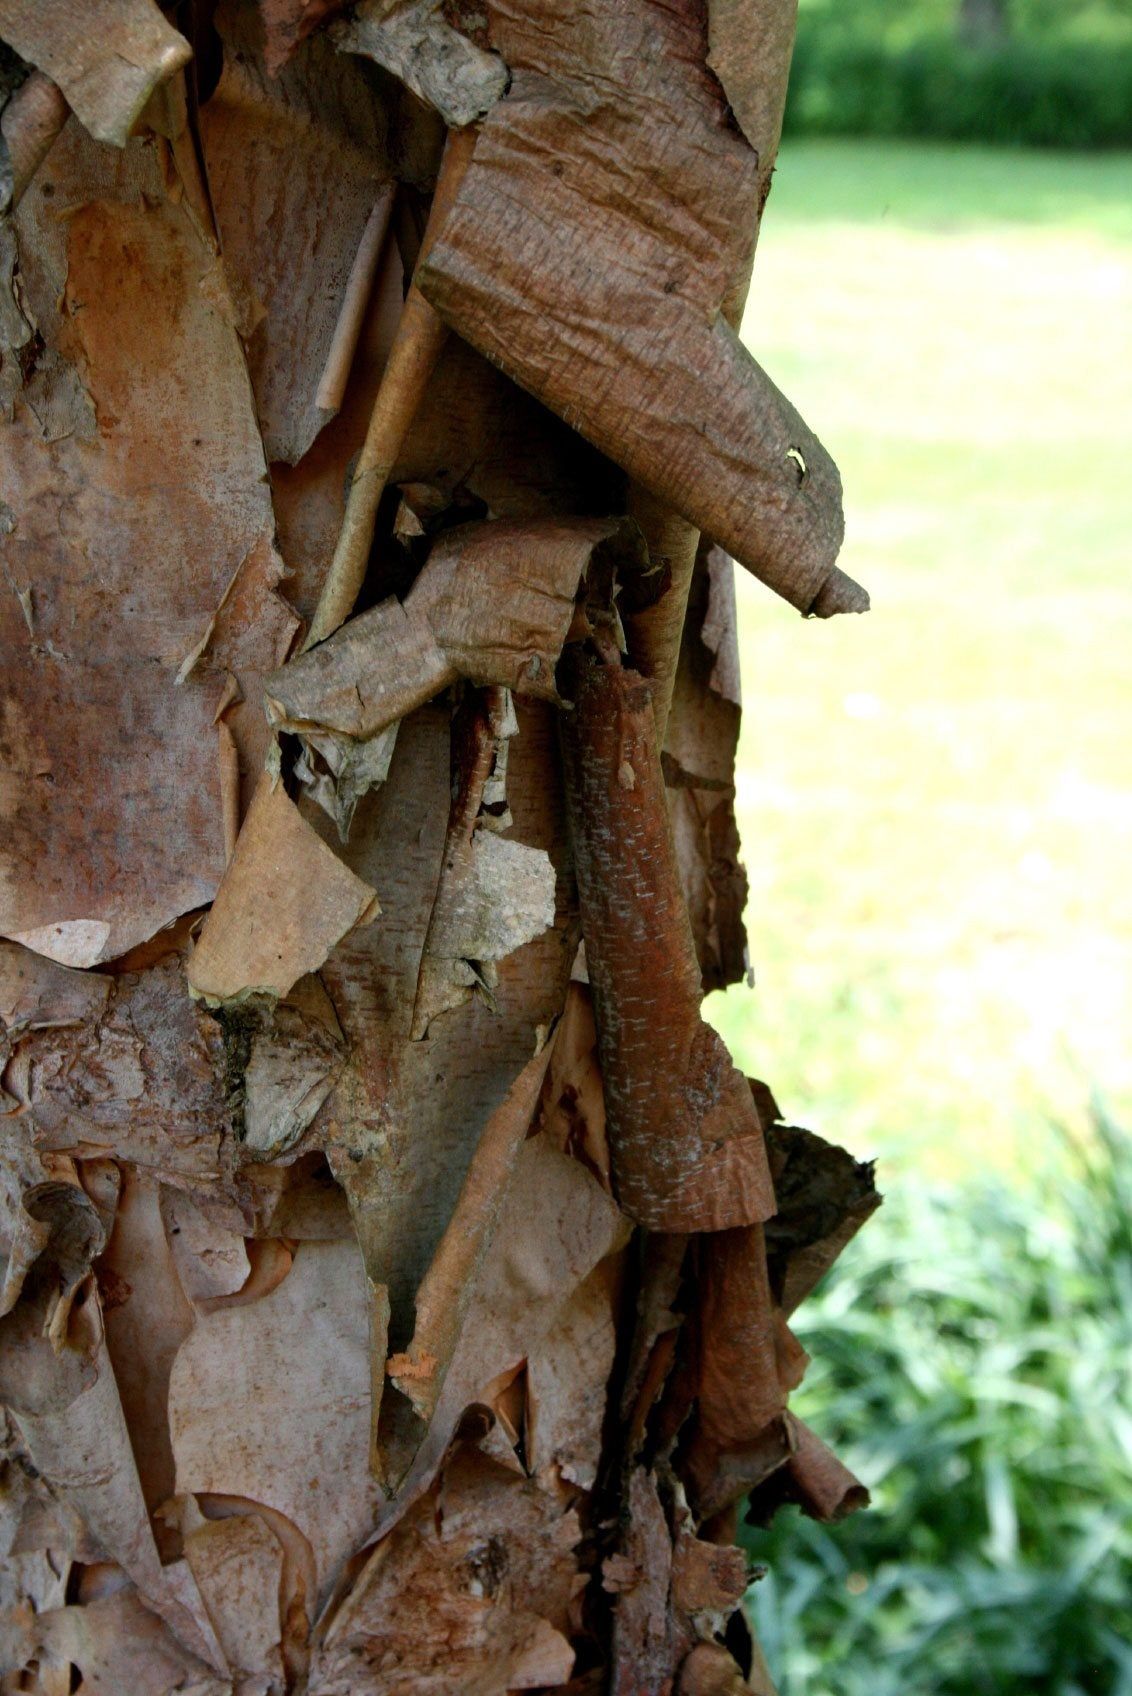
(1061, 76)
(972, 1359)
(897, 22)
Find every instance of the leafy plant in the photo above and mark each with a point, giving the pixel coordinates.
(972, 1363)
(1038, 92)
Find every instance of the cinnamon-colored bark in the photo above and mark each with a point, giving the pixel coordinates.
(686, 1143)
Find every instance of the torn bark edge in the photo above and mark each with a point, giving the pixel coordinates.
(284, 902)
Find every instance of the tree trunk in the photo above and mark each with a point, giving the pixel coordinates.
(398, 1269)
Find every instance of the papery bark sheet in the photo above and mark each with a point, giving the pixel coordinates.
(546, 231)
(493, 604)
(284, 903)
(107, 56)
(131, 508)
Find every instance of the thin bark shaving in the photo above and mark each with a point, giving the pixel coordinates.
(284, 902)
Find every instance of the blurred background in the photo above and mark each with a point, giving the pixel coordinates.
(936, 808)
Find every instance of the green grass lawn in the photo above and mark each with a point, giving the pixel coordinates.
(936, 800)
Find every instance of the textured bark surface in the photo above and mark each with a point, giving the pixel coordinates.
(395, 1268)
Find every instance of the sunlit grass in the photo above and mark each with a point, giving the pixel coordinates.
(936, 800)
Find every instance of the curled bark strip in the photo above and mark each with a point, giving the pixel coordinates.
(493, 604)
(332, 383)
(446, 1292)
(412, 358)
(746, 1359)
(653, 633)
(416, 347)
(286, 899)
(686, 1143)
(607, 304)
(813, 1478)
(376, 670)
(740, 1435)
(30, 123)
(107, 56)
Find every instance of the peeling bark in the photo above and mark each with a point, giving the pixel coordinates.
(686, 1142)
(652, 357)
(393, 1291)
(107, 56)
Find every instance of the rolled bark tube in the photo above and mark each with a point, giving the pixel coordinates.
(686, 1145)
(31, 122)
(746, 1363)
(654, 632)
(332, 383)
(412, 360)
